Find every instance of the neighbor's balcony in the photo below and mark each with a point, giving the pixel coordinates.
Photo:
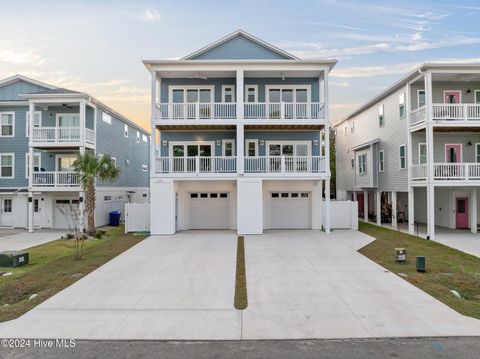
(259, 165)
(252, 110)
(447, 112)
(61, 136)
(460, 171)
(56, 179)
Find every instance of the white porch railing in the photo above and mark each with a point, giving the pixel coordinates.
(283, 110)
(462, 112)
(456, 171)
(418, 172)
(192, 111)
(285, 164)
(55, 179)
(418, 115)
(61, 134)
(216, 164)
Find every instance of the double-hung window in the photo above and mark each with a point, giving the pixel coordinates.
(138, 136)
(125, 130)
(381, 117)
(403, 157)
(381, 160)
(7, 163)
(422, 153)
(7, 124)
(421, 98)
(362, 164)
(401, 105)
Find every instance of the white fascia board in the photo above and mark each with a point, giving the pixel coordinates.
(15, 78)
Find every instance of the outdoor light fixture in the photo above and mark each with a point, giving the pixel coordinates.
(164, 142)
(262, 143)
(315, 142)
(80, 199)
(219, 142)
(30, 199)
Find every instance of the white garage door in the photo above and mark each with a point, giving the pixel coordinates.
(63, 213)
(290, 210)
(209, 210)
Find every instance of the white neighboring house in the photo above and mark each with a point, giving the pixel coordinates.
(240, 139)
(412, 153)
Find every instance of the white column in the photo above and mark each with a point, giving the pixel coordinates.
(249, 206)
(81, 208)
(473, 219)
(431, 211)
(153, 140)
(239, 93)
(83, 107)
(411, 210)
(355, 196)
(429, 126)
(378, 200)
(365, 206)
(394, 210)
(30, 212)
(327, 206)
(240, 148)
(162, 207)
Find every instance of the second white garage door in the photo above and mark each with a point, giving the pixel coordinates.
(63, 213)
(209, 210)
(290, 210)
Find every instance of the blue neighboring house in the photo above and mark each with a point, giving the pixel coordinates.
(240, 139)
(65, 122)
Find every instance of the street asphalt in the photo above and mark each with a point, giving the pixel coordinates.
(425, 348)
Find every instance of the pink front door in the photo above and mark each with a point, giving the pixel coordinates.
(461, 212)
(453, 153)
(452, 96)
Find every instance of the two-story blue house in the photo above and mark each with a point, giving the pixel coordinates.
(240, 139)
(42, 128)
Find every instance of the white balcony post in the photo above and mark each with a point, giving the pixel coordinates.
(282, 164)
(466, 174)
(365, 206)
(197, 110)
(239, 93)
(473, 219)
(327, 206)
(378, 200)
(197, 164)
(83, 107)
(30, 212)
(430, 211)
(429, 127)
(153, 143)
(282, 110)
(31, 114)
(465, 112)
(394, 210)
(411, 210)
(240, 148)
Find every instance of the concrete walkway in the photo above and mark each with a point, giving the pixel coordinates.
(20, 239)
(301, 284)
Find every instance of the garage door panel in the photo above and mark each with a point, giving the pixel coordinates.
(210, 212)
(290, 210)
(61, 210)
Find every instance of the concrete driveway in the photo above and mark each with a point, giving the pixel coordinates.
(15, 240)
(301, 284)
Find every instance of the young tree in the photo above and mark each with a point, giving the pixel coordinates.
(90, 168)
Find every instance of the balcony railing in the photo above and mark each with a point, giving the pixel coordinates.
(55, 179)
(285, 164)
(284, 110)
(418, 115)
(448, 171)
(254, 110)
(462, 112)
(220, 164)
(61, 134)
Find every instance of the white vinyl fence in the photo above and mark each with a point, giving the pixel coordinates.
(137, 217)
(343, 214)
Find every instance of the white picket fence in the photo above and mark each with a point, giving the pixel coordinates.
(343, 215)
(137, 217)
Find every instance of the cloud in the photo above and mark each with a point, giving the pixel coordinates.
(21, 57)
(150, 15)
(340, 84)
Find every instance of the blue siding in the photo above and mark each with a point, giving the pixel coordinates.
(261, 82)
(259, 135)
(111, 140)
(12, 91)
(239, 47)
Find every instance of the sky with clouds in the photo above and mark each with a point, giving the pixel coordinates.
(97, 46)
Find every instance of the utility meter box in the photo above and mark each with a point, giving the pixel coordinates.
(13, 259)
(400, 255)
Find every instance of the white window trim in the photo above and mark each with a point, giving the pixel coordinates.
(255, 141)
(232, 87)
(13, 165)
(13, 123)
(381, 164)
(381, 112)
(224, 142)
(418, 98)
(245, 97)
(58, 115)
(453, 144)
(308, 143)
(289, 87)
(145, 168)
(145, 138)
(400, 158)
(186, 143)
(362, 173)
(138, 136)
(420, 152)
(125, 131)
(190, 87)
(459, 91)
(27, 162)
(475, 96)
(27, 121)
(476, 151)
(107, 118)
(114, 160)
(400, 104)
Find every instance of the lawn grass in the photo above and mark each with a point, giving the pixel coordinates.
(240, 299)
(447, 269)
(51, 268)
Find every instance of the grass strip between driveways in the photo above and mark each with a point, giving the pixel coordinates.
(240, 299)
(447, 268)
(52, 268)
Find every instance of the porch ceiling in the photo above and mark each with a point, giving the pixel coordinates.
(284, 127)
(452, 129)
(194, 127)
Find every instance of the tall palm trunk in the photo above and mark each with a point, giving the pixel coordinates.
(90, 204)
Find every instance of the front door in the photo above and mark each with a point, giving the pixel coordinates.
(6, 211)
(452, 97)
(461, 212)
(453, 153)
(360, 204)
(38, 205)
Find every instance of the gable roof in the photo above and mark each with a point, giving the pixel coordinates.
(234, 35)
(17, 77)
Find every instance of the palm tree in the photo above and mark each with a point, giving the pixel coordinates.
(90, 168)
